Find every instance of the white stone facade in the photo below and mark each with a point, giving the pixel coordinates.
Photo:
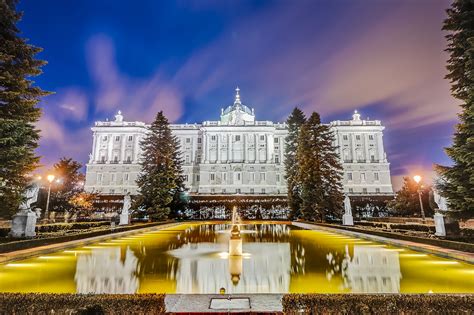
(235, 155)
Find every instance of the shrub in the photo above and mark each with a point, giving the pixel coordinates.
(43, 303)
(378, 303)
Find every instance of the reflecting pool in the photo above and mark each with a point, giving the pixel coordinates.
(277, 258)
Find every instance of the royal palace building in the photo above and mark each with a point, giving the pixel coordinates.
(234, 155)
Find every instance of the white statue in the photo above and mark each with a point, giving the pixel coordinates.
(124, 216)
(24, 221)
(440, 201)
(347, 218)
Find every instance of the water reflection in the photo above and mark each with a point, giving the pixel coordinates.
(371, 269)
(106, 270)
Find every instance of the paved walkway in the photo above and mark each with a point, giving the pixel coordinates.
(201, 303)
(429, 249)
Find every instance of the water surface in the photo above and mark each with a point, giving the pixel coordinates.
(278, 258)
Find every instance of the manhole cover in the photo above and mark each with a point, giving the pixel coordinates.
(229, 304)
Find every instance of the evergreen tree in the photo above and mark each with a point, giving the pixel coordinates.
(457, 183)
(71, 180)
(18, 110)
(294, 121)
(160, 176)
(407, 203)
(319, 171)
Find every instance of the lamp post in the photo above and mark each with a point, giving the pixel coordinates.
(46, 214)
(417, 179)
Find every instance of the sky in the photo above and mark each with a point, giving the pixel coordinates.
(384, 58)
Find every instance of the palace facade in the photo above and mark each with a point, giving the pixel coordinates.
(234, 155)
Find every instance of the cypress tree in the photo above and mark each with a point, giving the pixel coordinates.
(457, 181)
(294, 121)
(160, 175)
(319, 171)
(18, 110)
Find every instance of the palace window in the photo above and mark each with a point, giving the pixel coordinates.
(276, 140)
(262, 137)
(212, 176)
(130, 138)
(252, 191)
(357, 137)
(238, 176)
(364, 190)
(188, 140)
(237, 191)
(278, 178)
(371, 137)
(362, 176)
(104, 138)
(349, 176)
(344, 137)
(125, 177)
(186, 178)
(188, 159)
(199, 140)
(112, 178)
(376, 176)
(198, 178)
(117, 138)
(237, 138)
(213, 138)
(262, 177)
(351, 190)
(377, 190)
(372, 158)
(277, 159)
(99, 178)
(263, 190)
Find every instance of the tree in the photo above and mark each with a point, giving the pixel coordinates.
(71, 180)
(18, 110)
(160, 176)
(319, 171)
(294, 121)
(407, 203)
(457, 181)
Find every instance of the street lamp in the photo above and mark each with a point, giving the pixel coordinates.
(417, 179)
(50, 179)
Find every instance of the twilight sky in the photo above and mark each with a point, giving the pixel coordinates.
(384, 58)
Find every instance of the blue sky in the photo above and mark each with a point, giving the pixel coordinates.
(384, 58)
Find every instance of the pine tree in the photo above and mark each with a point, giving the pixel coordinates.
(18, 110)
(407, 203)
(67, 171)
(319, 171)
(160, 176)
(294, 121)
(457, 183)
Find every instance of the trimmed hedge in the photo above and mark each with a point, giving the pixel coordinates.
(56, 227)
(378, 303)
(45, 303)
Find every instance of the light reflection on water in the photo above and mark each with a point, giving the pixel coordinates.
(278, 258)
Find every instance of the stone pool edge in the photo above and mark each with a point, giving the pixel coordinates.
(420, 247)
(51, 248)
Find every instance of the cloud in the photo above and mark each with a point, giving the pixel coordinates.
(138, 98)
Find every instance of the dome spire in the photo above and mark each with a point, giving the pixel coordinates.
(237, 96)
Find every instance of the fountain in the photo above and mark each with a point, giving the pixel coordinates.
(235, 242)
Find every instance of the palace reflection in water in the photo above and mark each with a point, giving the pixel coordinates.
(277, 258)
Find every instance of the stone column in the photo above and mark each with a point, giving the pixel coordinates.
(136, 143)
(366, 147)
(353, 147)
(218, 149)
(269, 147)
(94, 148)
(229, 147)
(123, 139)
(380, 147)
(110, 144)
(204, 147)
(245, 147)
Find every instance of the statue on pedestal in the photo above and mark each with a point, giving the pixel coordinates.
(347, 218)
(125, 215)
(24, 221)
(439, 217)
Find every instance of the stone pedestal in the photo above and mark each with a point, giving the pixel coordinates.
(347, 219)
(124, 218)
(235, 247)
(23, 224)
(439, 224)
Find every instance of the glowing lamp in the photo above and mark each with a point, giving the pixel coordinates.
(417, 178)
(50, 178)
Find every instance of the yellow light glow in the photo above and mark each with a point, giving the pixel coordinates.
(50, 178)
(417, 178)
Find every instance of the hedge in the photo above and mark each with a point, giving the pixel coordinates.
(45, 303)
(56, 227)
(378, 303)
